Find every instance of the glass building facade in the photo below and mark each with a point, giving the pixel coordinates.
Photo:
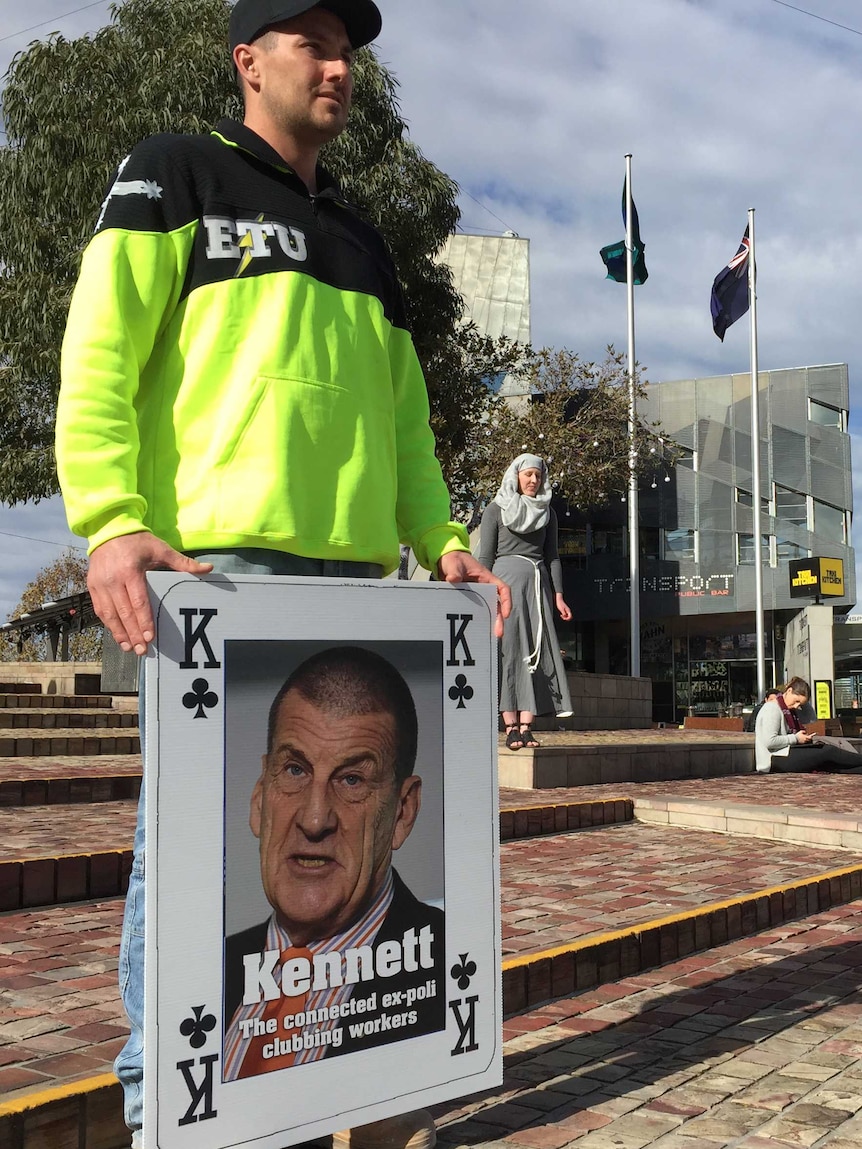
(697, 544)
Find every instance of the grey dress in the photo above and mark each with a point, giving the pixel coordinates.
(530, 564)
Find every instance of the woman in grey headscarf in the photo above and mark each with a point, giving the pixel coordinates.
(518, 542)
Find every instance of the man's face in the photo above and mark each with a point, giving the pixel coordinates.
(304, 72)
(328, 813)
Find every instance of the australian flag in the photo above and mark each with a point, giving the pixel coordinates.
(729, 300)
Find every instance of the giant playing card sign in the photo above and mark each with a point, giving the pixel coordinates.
(322, 892)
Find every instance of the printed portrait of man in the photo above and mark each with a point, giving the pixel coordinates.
(349, 958)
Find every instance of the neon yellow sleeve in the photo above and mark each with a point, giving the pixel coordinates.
(423, 507)
(128, 289)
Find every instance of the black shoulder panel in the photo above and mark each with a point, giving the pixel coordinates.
(252, 218)
(154, 186)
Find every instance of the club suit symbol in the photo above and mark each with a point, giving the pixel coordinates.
(200, 696)
(460, 691)
(463, 971)
(197, 1027)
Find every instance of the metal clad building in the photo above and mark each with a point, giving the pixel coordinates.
(492, 274)
(697, 544)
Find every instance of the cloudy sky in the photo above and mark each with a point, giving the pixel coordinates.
(531, 108)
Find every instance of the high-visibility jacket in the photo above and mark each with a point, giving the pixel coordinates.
(236, 369)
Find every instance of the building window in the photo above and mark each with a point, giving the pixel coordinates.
(608, 541)
(686, 459)
(746, 499)
(829, 523)
(826, 416)
(786, 552)
(649, 540)
(745, 550)
(680, 546)
(572, 546)
(791, 507)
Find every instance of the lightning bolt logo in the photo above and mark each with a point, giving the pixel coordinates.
(246, 244)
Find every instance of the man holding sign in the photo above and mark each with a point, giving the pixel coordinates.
(239, 390)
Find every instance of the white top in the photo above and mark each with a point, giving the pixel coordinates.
(771, 735)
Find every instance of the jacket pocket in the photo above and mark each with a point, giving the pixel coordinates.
(305, 453)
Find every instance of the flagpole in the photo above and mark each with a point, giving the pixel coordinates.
(755, 468)
(634, 541)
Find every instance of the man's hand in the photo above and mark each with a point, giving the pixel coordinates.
(118, 588)
(460, 566)
(564, 608)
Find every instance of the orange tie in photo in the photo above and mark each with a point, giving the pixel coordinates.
(280, 1007)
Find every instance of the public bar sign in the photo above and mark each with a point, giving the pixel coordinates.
(323, 927)
(810, 578)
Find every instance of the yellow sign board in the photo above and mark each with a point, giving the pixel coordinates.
(823, 698)
(832, 577)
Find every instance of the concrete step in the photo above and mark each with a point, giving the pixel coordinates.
(569, 759)
(56, 854)
(53, 743)
(15, 699)
(90, 820)
(52, 854)
(58, 719)
(827, 794)
(73, 789)
(518, 821)
(776, 823)
(66, 878)
(639, 899)
(20, 688)
(63, 780)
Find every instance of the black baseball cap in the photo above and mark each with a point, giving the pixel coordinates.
(249, 18)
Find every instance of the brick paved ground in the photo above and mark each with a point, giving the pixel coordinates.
(562, 887)
(755, 1045)
(751, 1045)
(835, 793)
(57, 964)
(69, 766)
(37, 831)
(61, 1016)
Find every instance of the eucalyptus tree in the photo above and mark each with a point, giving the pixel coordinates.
(74, 107)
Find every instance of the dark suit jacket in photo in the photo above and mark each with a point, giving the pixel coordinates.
(405, 912)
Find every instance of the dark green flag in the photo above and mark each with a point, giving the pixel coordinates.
(614, 255)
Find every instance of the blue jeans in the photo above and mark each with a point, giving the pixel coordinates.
(129, 1065)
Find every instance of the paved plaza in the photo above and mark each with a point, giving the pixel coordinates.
(755, 1044)
(712, 990)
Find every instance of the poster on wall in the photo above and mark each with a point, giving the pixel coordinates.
(320, 777)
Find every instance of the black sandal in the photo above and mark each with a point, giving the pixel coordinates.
(529, 741)
(514, 741)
